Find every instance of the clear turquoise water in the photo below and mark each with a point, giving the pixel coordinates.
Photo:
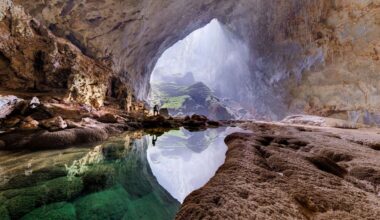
(125, 177)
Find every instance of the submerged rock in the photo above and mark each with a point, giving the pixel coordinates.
(4, 215)
(61, 211)
(103, 205)
(99, 177)
(22, 201)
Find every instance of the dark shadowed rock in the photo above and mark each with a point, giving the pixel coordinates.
(164, 112)
(108, 118)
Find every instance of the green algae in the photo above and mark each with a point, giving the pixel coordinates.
(108, 204)
(121, 186)
(22, 201)
(4, 215)
(61, 211)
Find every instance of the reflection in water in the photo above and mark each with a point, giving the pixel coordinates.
(184, 161)
(125, 177)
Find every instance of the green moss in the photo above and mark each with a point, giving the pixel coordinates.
(24, 200)
(99, 177)
(137, 209)
(61, 211)
(174, 102)
(20, 205)
(4, 213)
(37, 177)
(109, 204)
(2, 198)
(61, 189)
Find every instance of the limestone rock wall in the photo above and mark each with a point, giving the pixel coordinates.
(314, 56)
(33, 59)
(347, 85)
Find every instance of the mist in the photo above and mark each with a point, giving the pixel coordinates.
(214, 56)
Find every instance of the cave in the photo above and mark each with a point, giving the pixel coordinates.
(182, 109)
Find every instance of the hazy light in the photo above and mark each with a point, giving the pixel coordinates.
(215, 57)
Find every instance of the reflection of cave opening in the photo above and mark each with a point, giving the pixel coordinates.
(206, 73)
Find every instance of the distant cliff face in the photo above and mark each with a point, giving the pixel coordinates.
(303, 52)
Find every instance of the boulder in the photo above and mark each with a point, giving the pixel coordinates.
(34, 103)
(2, 144)
(164, 112)
(213, 123)
(54, 124)
(11, 122)
(199, 118)
(108, 118)
(61, 210)
(73, 124)
(8, 105)
(29, 124)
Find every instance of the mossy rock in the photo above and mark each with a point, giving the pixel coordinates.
(61, 211)
(61, 189)
(2, 198)
(23, 201)
(38, 176)
(99, 177)
(4, 215)
(20, 205)
(113, 151)
(109, 204)
(158, 209)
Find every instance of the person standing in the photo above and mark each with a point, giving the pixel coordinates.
(155, 110)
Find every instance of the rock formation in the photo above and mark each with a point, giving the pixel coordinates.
(282, 172)
(33, 59)
(308, 55)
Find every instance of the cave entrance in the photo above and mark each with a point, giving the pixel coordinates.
(205, 73)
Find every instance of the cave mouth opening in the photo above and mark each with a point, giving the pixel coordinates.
(206, 73)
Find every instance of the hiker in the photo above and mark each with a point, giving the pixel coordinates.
(155, 110)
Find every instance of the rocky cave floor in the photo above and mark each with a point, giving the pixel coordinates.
(282, 171)
(277, 171)
(48, 122)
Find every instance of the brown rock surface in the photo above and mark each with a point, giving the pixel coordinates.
(54, 124)
(29, 124)
(314, 55)
(280, 172)
(32, 58)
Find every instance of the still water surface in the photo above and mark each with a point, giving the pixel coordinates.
(131, 176)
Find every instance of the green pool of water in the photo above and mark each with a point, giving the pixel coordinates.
(110, 181)
(131, 176)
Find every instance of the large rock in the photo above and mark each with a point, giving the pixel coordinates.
(60, 210)
(164, 112)
(54, 124)
(32, 58)
(29, 124)
(7, 105)
(108, 118)
(11, 122)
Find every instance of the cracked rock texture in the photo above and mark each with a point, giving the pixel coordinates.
(282, 172)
